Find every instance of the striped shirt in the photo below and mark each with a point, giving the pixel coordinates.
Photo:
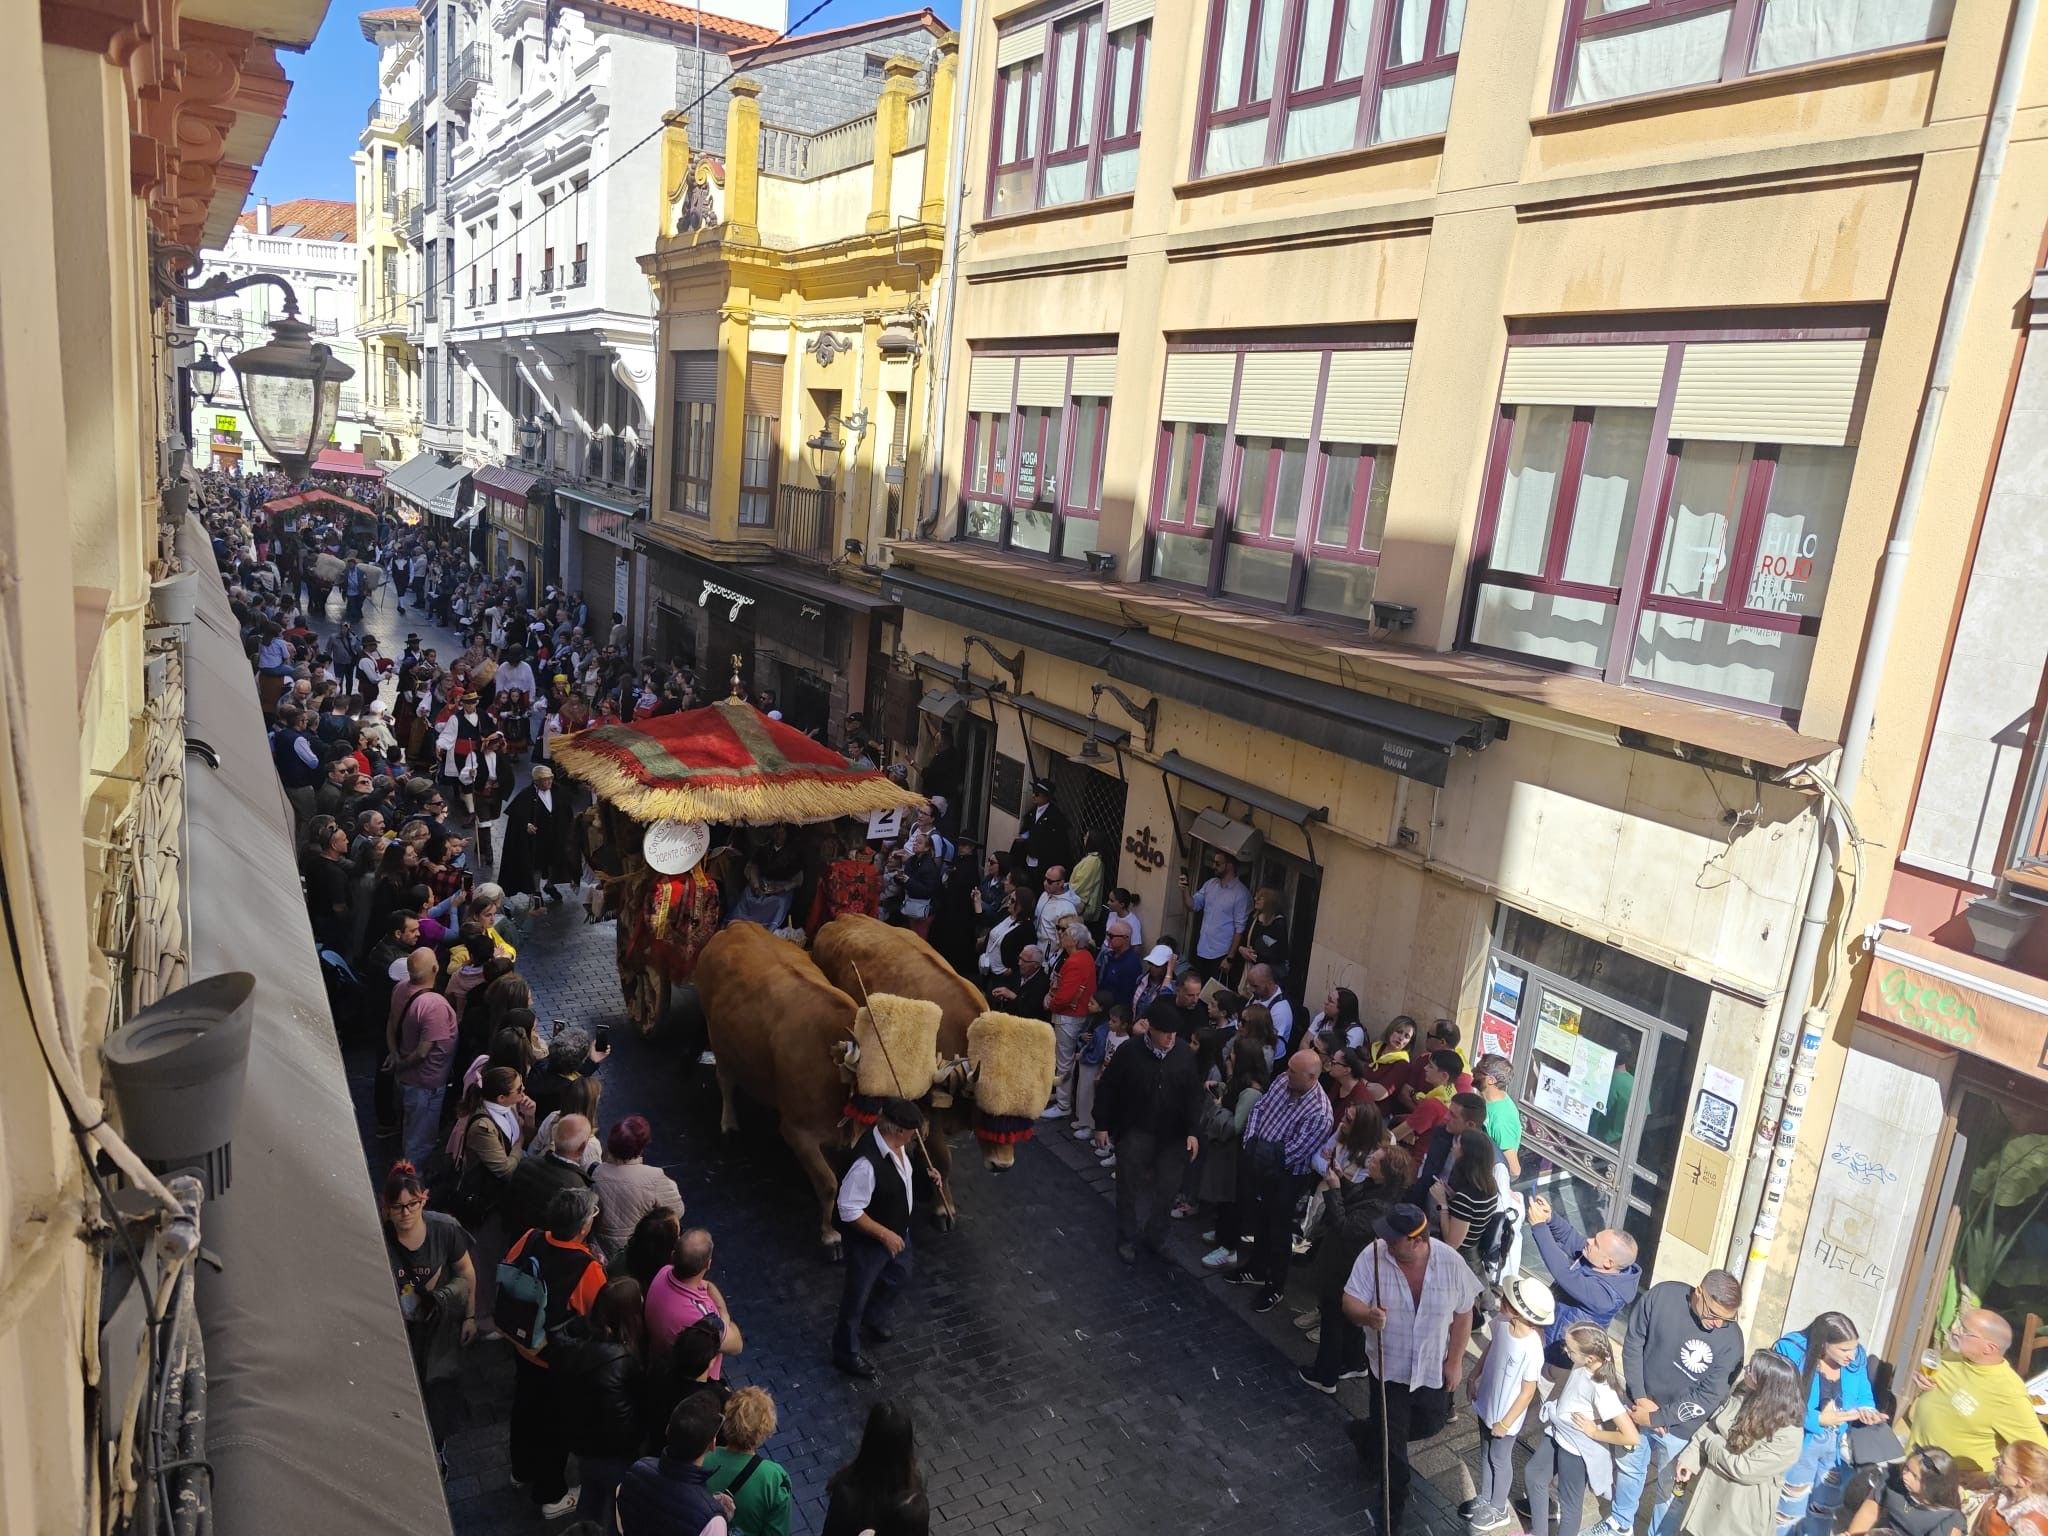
(1299, 1122)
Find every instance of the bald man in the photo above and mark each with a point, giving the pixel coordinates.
(1291, 1123)
(422, 1038)
(539, 1177)
(1976, 1403)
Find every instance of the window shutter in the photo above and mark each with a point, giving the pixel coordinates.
(1128, 13)
(1277, 397)
(1198, 386)
(1042, 381)
(764, 387)
(1363, 401)
(899, 428)
(696, 377)
(1095, 375)
(988, 384)
(1019, 44)
(1769, 391)
(1584, 375)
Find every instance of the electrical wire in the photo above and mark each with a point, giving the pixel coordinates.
(738, 60)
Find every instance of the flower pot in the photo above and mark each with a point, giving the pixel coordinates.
(175, 598)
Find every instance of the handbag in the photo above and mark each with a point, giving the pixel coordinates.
(1872, 1445)
(916, 906)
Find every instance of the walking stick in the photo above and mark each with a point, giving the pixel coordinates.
(930, 1167)
(1379, 1381)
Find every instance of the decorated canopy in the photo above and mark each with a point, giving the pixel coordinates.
(726, 762)
(316, 499)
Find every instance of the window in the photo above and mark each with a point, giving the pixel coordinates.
(1070, 95)
(759, 442)
(517, 77)
(871, 67)
(432, 286)
(1617, 48)
(692, 445)
(1293, 79)
(1037, 429)
(1275, 464)
(1691, 556)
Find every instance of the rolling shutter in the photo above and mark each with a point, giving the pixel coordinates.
(1042, 381)
(1584, 375)
(1769, 391)
(1277, 397)
(1198, 387)
(1363, 401)
(764, 387)
(1127, 13)
(1019, 44)
(989, 382)
(697, 377)
(1095, 375)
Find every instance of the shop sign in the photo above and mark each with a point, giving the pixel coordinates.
(1144, 849)
(1958, 1001)
(738, 600)
(227, 424)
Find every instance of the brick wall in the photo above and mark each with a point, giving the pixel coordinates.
(812, 92)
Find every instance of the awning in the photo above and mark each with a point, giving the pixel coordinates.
(310, 498)
(300, 1220)
(429, 484)
(615, 526)
(1044, 629)
(502, 484)
(341, 461)
(1957, 1000)
(1237, 789)
(622, 505)
(1059, 714)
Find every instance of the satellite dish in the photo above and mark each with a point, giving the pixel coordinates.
(675, 847)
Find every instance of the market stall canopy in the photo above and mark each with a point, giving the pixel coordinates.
(502, 484)
(428, 484)
(726, 762)
(316, 498)
(341, 461)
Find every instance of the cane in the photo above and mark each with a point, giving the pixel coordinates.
(930, 1167)
(1379, 1381)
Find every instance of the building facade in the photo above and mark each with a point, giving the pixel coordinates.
(1444, 457)
(794, 274)
(309, 242)
(390, 177)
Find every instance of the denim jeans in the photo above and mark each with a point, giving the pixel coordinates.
(422, 1122)
(1814, 1486)
(1633, 1470)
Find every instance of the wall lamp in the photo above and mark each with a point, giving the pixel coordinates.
(1146, 714)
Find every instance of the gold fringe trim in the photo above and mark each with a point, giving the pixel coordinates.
(755, 805)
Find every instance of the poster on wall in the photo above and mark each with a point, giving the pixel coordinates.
(1503, 1010)
(1559, 1098)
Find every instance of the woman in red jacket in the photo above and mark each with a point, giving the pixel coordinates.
(1073, 990)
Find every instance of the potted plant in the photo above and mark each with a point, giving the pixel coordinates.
(2006, 1195)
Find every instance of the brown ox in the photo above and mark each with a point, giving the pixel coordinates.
(779, 1029)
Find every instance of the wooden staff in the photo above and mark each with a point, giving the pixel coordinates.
(930, 1167)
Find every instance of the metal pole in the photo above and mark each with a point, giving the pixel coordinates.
(1801, 1029)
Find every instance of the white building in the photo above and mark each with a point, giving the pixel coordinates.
(310, 242)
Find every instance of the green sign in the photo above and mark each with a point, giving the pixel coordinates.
(1921, 1003)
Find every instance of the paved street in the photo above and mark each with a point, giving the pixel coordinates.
(1055, 1389)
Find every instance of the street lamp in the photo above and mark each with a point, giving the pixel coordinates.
(528, 433)
(291, 388)
(205, 370)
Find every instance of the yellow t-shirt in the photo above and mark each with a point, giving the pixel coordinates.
(1972, 1410)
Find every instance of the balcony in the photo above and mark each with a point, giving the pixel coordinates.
(409, 130)
(466, 71)
(412, 216)
(491, 291)
(517, 282)
(547, 281)
(805, 523)
(579, 272)
(385, 113)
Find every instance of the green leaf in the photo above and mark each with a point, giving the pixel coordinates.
(2023, 1274)
(2018, 1173)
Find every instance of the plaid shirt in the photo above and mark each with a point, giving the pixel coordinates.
(1410, 1349)
(1301, 1125)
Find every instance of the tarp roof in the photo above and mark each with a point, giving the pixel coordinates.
(345, 461)
(314, 1423)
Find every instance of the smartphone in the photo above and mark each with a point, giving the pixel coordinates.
(604, 1037)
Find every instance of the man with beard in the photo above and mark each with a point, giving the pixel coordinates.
(538, 822)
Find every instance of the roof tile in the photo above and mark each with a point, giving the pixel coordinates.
(683, 15)
(306, 218)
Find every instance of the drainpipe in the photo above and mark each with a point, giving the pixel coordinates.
(942, 337)
(1801, 1028)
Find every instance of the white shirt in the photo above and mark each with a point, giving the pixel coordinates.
(1283, 1022)
(1582, 1394)
(546, 797)
(991, 955)
(1137, 929)
(858, 1187)
(1410, 1348)
(1511, 1361)
(1051, 908)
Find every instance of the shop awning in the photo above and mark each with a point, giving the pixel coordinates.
(1237, 789)
(341, 461)
(300, 1219)
(504, 484)
(1959, 1001)
(429, 484)
(1059, 714)
(623, 506)
(1043, 629)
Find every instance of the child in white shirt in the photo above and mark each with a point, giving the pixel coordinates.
(1510, 1374)
(1586, 1417)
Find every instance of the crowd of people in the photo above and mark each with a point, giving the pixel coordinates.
(1384, 1166)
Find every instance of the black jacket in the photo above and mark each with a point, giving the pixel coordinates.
(603, 1392)
(1140, 1091)
(1031, 994)
(851, 1513)
(535, 1182)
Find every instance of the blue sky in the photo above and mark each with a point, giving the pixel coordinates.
(334, 81)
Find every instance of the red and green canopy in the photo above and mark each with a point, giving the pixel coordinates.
(726, 762)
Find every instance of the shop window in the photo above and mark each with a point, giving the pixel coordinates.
(1732, 518)
(1294, 79)
(1070, 98)
(693, 438)
(1037, 433)
(1275, 466)
(1619, 48)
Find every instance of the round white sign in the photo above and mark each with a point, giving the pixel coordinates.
(675, 847)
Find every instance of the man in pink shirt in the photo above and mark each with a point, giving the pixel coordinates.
(682, 1293)
(422, 1038)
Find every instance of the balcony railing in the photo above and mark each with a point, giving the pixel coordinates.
(414, 120)
(466, 71)
(517, 283)
(491, 291)
(547, 281)
(385, 110)
(804, 522)
(412, 214)
(795, 155)
(579, 272)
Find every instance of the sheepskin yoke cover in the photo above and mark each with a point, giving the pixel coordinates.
(1013, 1064)
(909, 1028)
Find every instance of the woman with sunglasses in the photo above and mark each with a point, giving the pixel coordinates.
(429, 1256)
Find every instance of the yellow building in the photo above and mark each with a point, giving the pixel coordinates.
(795, 360)
(134, 131)
(390, 175)
(1468, 438)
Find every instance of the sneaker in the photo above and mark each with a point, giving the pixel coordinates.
(1243, 1277)
(1267, 1301)
(1301, 1246)
(1610, 1527)
(1084, 1133)
(1486, 1517)
(1358, 1375)
(1209, 1236)
(1108, 1160)
(1219, 1258)
(1306, 1320)
(1465, 1509)
(1052, 1112)
(566, 1504)
(1327, 1388)
(1182, 1210)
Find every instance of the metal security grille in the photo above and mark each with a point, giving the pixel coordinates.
(1092, 801)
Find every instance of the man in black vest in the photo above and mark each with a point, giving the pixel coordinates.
(874, 1213)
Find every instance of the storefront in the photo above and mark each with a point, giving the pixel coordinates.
(598, 556)
(433, 489)
(516, 502)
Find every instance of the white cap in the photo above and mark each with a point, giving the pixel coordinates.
(1160, 955)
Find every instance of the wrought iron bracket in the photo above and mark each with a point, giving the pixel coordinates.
(169, 265)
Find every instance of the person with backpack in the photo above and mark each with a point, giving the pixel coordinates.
(547, 1276)
(758, 1487)
(667, 1495)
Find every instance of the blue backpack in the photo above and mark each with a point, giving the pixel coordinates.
(521, 1309)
